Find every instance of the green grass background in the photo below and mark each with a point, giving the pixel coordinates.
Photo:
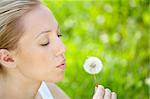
(116, 31)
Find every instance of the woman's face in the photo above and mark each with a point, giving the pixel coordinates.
(41, 51)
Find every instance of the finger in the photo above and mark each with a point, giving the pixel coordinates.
(96, 89)
(107, 94)
(99, 93)
(101, 90)
(96, 95)
(113, 95)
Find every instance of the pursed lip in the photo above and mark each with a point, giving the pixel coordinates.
(62, 65)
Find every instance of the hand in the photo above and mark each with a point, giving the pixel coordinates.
(101, 93)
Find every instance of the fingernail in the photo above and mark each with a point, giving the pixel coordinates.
(113, 93)
(108, 90)
(101, 86)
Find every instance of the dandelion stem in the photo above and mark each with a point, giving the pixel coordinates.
(95, 79)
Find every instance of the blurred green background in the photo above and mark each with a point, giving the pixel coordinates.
(116, 31)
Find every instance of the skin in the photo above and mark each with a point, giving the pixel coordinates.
(32, 62)
(102, 93)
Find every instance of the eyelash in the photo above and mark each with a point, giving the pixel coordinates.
(45, 44)
(48, 41)
(59, 35)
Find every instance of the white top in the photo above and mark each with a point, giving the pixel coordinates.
(45, 92)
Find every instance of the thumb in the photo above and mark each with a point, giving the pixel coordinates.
(96, 88)
(99, 92)
(96, 94)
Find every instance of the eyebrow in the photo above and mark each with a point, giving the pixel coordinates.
(47, 31)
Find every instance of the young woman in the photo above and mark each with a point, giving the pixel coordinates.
(31, 53)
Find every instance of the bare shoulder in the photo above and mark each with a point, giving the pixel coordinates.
(56, 91)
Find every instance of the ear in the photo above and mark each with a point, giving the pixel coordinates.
(6, 59)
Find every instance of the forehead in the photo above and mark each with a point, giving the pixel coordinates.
(39, 19)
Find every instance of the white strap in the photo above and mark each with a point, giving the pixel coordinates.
(45, 92)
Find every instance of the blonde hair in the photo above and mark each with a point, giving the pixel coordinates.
(11, 29)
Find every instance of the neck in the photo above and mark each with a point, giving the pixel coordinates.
(15, 86)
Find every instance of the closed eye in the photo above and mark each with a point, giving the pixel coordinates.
(59, 35)
(44, 44)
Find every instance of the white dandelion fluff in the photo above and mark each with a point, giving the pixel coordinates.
(147, 81)
(93, 65)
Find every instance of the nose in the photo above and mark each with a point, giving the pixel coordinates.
(61, 49)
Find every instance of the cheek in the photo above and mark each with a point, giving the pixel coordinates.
(36, 64)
